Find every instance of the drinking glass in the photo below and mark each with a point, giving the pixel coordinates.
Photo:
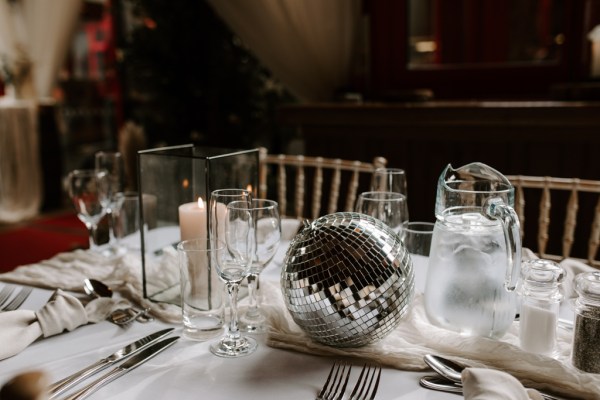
(416, 236)
(87, 190)
(218, 208)
(112, 163)
(267, 227)
(389, 207)
(234, 248)
(389, 180)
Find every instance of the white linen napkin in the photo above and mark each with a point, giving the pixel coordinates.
(123, 274)
(491, 384)
(63, 312)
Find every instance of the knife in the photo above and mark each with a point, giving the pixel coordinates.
(122, 369)
(64, 384)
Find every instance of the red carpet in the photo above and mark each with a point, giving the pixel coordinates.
(41, 239)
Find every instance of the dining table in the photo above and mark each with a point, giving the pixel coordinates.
(188, 370)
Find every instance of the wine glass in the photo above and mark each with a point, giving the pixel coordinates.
(234, 247)
(112, 163)
(218, 208)
(87, 190)
(267, 226)
(389, 207)
(389, 180)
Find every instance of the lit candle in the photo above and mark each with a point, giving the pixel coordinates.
(192, 220)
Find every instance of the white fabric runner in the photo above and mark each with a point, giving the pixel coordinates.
(403, 349)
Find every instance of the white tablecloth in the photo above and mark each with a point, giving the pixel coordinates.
(188, 370)
(20, 172)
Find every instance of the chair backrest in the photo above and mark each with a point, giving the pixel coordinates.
(578, 215)
(293, 179)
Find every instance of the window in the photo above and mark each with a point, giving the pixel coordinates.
(479, 48)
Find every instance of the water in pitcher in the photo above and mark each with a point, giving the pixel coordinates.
(465, 283)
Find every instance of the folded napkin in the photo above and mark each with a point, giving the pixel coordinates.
(491, 384)
(63, 312)
(123, 274)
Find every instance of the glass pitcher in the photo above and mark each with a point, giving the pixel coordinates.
(475, 257)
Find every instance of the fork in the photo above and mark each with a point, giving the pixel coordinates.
(365, 380)
(334, 389)
(18, 299)
(5, 293)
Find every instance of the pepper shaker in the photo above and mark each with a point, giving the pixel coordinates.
(586, 335)
(540, 296)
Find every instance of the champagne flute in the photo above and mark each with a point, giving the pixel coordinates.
(267, 226)
(87, 190)
(389, 207)
(112, 163)
(234, 259)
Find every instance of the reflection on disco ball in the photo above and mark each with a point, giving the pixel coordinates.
(347, 279)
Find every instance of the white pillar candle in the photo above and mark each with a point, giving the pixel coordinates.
(192, 220)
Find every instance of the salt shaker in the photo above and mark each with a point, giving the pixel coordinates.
(586, 335)
(540, 304)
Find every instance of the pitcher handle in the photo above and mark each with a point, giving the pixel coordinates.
(496, 209)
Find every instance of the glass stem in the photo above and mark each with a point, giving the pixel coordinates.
(92, 235)
(232, 290)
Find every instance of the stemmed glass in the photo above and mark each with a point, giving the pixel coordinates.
(87, 189)
(267, 225)
(389, 180)
(234, 260)
(389, 207)
(112, 163)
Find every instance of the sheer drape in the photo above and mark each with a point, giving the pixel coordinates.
(309, 45)
(38, 30)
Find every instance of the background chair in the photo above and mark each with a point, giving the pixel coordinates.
(573, 207)
(295, 180)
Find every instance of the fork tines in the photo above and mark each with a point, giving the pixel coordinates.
(5, 293)
(18, 299)
(362, 390)
(336, 382)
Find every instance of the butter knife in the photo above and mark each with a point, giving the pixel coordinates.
(64, 384)
(122, 369)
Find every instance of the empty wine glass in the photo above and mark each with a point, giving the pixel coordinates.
(267, 226)
(389, 207)
(218, 207)
(234, 260)
(389, 180)
(87, 190)
(112, 163)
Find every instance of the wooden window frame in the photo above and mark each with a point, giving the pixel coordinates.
(389, 71)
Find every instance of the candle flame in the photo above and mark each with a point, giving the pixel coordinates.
(185, 184)
(249, 188)
(200, 202)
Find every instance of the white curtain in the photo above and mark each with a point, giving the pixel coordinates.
(37, 31)
(309, 45)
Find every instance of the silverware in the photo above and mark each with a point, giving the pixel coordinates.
(5, 293)
(442, 384)
(451, 372)
(336, 382)
(362, 389)
(18, 299)
(64, 384)
(122, 369)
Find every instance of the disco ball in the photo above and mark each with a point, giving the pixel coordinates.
(347, 279)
